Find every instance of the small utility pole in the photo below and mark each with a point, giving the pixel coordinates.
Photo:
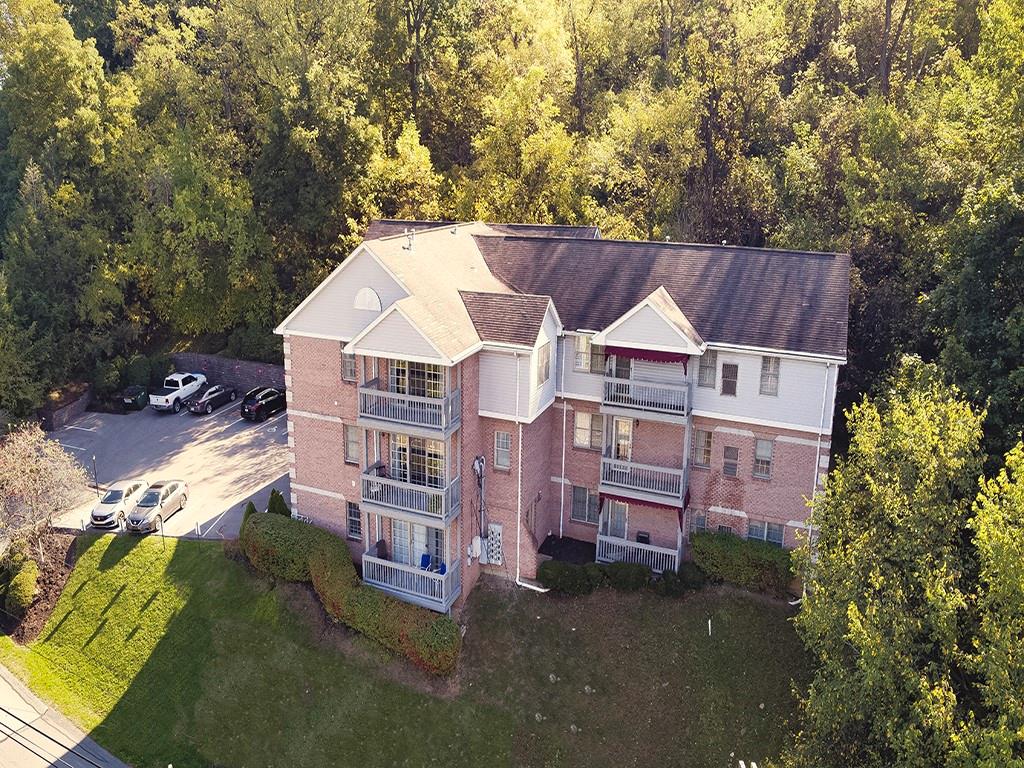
(95, 481)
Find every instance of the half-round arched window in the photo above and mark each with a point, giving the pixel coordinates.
(367, 299)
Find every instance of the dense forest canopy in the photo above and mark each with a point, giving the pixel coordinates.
(170, 169)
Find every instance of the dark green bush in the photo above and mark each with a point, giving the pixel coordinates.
(159, 367)
(106, 379)
(596, 575)
(279, 545)
(253, 343)
(691, 575)
(21, 590)
(628, 577)
(136, 371)
(277, 505)
(566, 578)
(250, 510)
(297, 551)
(754, 565)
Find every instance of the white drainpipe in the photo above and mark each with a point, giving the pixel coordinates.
(519, 490)
(561, 477)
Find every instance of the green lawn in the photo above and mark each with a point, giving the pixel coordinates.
(179, 655)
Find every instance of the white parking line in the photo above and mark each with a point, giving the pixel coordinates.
(219, 412)
(82, 429)
(72, 447)
(271, 421)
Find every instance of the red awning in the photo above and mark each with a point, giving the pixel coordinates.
(628, 500)
(653, 355)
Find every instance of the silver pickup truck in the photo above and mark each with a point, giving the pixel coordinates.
(177, 388)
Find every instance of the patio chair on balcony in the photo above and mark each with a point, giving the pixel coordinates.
(382, 550)
(442, 569)
(425, 561)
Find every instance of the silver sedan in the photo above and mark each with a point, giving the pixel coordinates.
(158, 503)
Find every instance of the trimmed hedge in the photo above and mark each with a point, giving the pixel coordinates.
(573, 579)
(21, 590)
(297, 551)
(628, 577)
(754, 565)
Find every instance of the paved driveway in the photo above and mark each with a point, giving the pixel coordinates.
(225, 460)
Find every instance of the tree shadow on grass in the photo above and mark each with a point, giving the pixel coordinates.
(117, 550)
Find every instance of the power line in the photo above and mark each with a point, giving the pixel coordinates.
(65, 747)
(25, 744)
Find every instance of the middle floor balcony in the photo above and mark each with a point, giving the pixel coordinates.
(643, 482)
(428, 497)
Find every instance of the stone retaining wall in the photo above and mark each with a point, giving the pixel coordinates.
(243, 375)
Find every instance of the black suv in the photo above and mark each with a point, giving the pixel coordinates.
(261, 402)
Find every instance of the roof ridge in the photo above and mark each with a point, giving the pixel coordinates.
(665, 243)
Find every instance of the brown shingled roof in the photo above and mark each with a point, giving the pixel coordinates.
(787, 300)
(507, 318)
(389, 227)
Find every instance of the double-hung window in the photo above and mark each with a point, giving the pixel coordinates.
(348, 367)
(730, 378)
(770, 376)
(584, 505)
(355, 520)
(707, 369)
(351, 444)
(763, 458)
(702, 448)
(589, 430)
(762, 530)
(699, 522)
(503, 450)
(544, 363)
(731, 461)
(588, 358)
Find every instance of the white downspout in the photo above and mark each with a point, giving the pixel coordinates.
(817, 451)
(561, 476)
(519, 490)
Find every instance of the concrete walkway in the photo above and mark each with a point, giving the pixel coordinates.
(34, 736)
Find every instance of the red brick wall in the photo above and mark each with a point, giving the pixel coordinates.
(661, 523)
(780, 499)
(582, 467)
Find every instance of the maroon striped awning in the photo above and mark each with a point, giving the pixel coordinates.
(628, 500)
(653, 355)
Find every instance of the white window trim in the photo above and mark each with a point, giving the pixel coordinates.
(767, 374)
(508, 450)
(572, 506)
(770, 460)
(736, 381)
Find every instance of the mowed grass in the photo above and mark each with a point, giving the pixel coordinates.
(173, 653)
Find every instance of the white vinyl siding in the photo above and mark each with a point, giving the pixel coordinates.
(647, 328)
(394, 336)
(801, 384)
(575, 383)
(498, 384)
(332, 311)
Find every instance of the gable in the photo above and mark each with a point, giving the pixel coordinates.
(339, 308)
(394, 336)
(646, 328)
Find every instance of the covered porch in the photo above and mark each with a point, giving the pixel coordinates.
(648, 534)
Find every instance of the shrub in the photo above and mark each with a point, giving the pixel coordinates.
(277, 505)
(136, 371)
(279, 545)
(297, 551)
(566, 578)
(628, 577)
(22, 589)
(159, 367)
(754, 565)
(691, 575)
(107, 378)
(596, 575)
(250, 510)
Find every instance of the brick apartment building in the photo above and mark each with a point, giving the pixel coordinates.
(462, 396)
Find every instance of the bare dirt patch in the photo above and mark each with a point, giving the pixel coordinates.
(56, 561)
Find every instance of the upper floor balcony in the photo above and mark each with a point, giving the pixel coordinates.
(431, 412)
(432, 499)
(643, 482)
(649, 399)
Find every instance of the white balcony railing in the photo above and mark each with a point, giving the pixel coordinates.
(438, 503)
(646, 395)
(645, 478)
(658, 559)
(378, 403)
(427, 588)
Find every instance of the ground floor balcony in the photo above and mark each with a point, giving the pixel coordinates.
(435, 500)
(433, 587)
(643, 482)
(615, 550)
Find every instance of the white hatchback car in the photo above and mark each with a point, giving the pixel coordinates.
(118, 501)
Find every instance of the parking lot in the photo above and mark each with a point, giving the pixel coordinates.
(225, 460)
